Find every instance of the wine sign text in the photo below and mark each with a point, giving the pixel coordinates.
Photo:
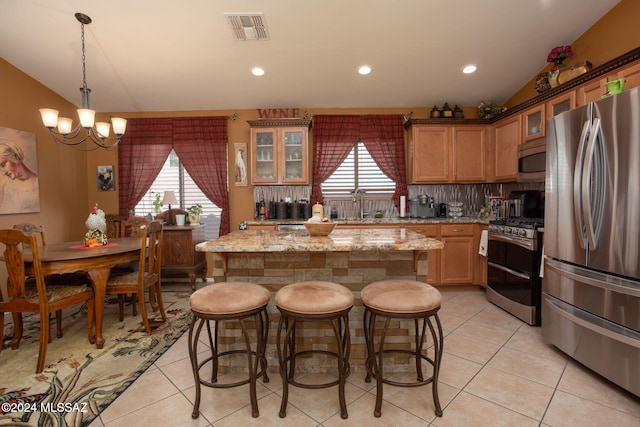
(279, 113)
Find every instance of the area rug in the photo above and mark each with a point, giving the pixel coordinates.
(79, 381)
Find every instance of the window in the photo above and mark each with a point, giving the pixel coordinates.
(358, 170)
(173, 176)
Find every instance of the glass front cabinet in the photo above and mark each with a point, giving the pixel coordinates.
(279, 152)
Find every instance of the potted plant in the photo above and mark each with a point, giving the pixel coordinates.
(157, 205)
(194, 213)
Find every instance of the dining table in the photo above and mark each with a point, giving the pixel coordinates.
(96, 262)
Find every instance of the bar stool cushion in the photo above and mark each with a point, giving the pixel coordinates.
(229, 298)
(314, 297)
(401, 296)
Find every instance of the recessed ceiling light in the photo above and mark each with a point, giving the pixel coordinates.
(468, 69)
(364, 69)
(257, 71)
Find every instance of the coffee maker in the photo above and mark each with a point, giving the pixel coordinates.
(422, 206)
(526, 204)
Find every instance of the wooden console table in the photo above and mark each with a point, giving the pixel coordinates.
(179, 255)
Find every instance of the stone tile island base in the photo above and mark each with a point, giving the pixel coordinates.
(353, 269)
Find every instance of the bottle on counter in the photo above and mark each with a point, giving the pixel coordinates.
(317, 211)
(262, 208)
(334, 212)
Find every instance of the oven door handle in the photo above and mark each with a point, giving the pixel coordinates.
(510, 271)
(527, 245)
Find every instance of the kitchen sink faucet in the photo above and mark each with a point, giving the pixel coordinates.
(359, 192)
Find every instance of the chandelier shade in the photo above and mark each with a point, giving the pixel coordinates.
(95, 134)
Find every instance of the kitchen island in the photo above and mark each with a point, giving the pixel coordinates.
(351, 257)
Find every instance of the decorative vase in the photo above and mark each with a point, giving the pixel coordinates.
(194, 218)
(542, 82)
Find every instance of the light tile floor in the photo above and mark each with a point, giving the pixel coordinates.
(496, 371)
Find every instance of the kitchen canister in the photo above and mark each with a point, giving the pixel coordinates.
(455, 209)
(281, 210)
(317, 211)
(295, 211)
(306, 210)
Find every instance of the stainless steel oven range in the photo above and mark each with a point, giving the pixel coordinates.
(513, 279)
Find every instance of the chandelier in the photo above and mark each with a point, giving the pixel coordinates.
(88, 129)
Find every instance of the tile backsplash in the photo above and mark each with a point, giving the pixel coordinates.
(471, 195)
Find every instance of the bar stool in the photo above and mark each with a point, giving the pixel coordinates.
(241, 301)
(313, 301)
(402, 299)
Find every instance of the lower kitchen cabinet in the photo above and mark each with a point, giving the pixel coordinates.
(179, 255)
(458, 263)
(456, 259)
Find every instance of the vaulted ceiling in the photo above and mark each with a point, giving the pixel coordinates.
(155, 55)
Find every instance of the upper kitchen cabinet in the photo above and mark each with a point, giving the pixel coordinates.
(591, 91)
(429, 152)
(280, 152)
(508, 134)
(631, 74)
(468, 153)
(534, 123)
(441, 154)
(560, 104)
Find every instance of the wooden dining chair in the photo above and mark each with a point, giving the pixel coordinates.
(147, 276)
(129, 227)
(68, 279)
(42, 299)
(114, 225)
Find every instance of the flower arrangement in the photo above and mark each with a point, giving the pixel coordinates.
(558, 54)
(488, 110)
(157, 204)
(195, 209)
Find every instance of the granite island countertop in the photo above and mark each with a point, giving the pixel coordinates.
(390, 239)
(382, 221)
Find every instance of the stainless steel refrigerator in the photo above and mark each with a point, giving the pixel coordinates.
(591, 276)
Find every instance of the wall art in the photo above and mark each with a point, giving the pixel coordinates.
(19, 185)
(106, 178)
(240, 164)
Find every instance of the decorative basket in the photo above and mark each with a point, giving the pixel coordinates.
(320, 228)
(563, 75)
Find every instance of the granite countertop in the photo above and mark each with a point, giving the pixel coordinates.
(391, 239)
(373, 221)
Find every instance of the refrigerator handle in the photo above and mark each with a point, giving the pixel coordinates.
(586, 184)
(577, 183)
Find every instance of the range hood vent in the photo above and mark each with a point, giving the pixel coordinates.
(248, 26)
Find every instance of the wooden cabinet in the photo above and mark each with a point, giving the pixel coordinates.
(459, 262)
(429, 151)
(279, 152)
(560, 104)
(179, 255)
(533, 121)
(457, 257)
(469, 153)
(508, 134)
(440, 154)
(631, 74)
(591, 91)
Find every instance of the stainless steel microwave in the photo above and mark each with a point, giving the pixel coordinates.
(532, 161)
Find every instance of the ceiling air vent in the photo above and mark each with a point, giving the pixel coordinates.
(248, 26)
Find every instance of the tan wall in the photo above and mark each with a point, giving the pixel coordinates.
(68, 177)
(613, 35)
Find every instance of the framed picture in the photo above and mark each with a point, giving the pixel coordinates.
(240, 164)
(19, 185)
(106, 178)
